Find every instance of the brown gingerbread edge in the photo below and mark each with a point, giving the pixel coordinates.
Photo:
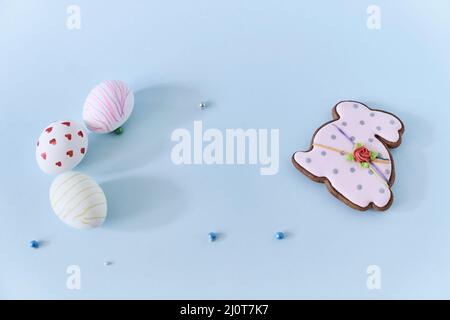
(387, 144)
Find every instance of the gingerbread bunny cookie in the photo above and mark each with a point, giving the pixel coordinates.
(350, 155)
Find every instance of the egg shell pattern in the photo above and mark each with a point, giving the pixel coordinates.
(108, 106)
(61, 146)
(78, 200)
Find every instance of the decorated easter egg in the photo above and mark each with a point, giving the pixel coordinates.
(78, 200)
(108, 106)
(61, 146)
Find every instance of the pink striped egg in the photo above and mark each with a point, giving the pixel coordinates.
(108, 106)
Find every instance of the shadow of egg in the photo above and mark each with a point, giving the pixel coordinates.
(141, 203)
(158, 110)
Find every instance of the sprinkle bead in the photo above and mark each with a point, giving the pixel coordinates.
(118, 131)
(212, 236)
(279, 235)
(34, 244)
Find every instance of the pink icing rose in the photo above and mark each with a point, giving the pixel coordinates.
(361, 154)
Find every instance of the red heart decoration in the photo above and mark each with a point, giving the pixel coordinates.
(49, 129)
(66, 123)
(53, 141)
(44, 156)
(70, 153)
(82, 150)
(80, 133)
(59, 164)
(68, 136)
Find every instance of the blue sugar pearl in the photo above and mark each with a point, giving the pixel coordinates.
(212, 236)
(279, 235)
(34, 244)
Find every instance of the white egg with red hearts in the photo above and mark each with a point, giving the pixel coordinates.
(61, 146)
(78, 200)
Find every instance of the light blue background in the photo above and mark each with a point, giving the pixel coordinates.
(261, 64)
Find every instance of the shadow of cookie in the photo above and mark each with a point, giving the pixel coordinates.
(412, 185)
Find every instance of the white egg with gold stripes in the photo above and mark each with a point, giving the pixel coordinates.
(78, 200)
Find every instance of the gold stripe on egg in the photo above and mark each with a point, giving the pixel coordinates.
(69, 189)
(68, 212)
(61, 184)
(76, 195)
(85, 220)
(87, 209)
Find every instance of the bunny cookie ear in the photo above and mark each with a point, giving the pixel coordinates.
(387, 127)
(347, 108)
(384, 125)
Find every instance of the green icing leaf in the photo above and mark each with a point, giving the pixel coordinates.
(364, 165)
(350, 157)
(373, 155)
(359, 145)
